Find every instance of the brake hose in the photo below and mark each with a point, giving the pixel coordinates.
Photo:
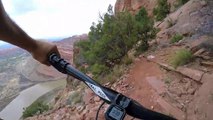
(96, 118)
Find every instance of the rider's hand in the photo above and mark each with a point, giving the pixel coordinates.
(42, 50)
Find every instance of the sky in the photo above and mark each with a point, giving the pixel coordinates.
(43, 19)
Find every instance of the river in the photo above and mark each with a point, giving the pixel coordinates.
(13, 111)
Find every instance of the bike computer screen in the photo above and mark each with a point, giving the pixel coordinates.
(115, 113)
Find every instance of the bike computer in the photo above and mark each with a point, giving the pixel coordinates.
(115, 112)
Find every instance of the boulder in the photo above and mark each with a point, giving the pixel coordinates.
(97, 99)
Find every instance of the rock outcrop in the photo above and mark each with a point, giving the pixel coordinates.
(134, 6)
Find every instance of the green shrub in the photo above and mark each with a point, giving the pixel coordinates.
(176, 38)
(167, 80)
(74, 98)
(113, 75)
(127, 60)
(141, 48)
(108, 78)
(110, 40)
(37, 107)
(170, 22)
(79, 46)
(82, 69)
(98, 69)
(181, 57)
(162, 9)
(118, 70)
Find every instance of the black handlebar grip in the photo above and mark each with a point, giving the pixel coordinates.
(138, 111)
(57, 62)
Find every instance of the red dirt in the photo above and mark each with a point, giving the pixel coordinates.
(137, 86)
(141, 73)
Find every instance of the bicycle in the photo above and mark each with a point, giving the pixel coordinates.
(120, 105)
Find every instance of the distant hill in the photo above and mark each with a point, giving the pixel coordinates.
(65, 45)
(11, 52)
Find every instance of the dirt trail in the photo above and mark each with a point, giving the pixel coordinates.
(139, 76)
(138, 85)
(148, 87)
(143, 83)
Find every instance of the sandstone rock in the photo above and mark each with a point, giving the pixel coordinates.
(125, 85)
(167, 67)
(191, 73)
(150, 57)
(134, 6)
(205, 57)
(97, 99)
(80, 109)
(141, 56)
(199, 52)
(73, 108)
(191, 91)
(203, 3)
(107, 84)
(207, 63)
(137, 59)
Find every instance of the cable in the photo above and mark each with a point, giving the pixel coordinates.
(96, 118)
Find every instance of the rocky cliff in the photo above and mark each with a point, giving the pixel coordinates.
(134, 6)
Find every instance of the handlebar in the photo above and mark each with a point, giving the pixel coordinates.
(138, 111)
(108, 95)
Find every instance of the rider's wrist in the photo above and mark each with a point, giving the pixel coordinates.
(32, 47)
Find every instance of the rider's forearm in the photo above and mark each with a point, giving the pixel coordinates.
(12, 33)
